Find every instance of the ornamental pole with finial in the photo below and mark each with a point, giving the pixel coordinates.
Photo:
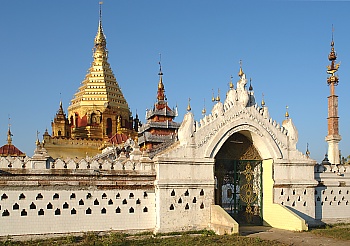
(333, 138)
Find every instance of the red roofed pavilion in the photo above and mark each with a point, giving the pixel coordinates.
(9, 149)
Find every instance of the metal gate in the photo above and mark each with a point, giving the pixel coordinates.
(239, 189)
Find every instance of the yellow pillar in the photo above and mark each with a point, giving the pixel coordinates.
(277, 215)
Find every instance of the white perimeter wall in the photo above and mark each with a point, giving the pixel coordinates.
(332, 202)
(31, 214)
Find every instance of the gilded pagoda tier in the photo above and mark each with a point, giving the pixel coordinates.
(99, 89)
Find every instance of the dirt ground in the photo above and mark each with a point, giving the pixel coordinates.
(290, 237)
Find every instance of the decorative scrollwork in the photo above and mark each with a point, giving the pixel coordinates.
(247, 193)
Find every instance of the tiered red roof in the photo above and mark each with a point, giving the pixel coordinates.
(118, 138)
(10, 150)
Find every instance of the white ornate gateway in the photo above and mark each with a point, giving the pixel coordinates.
(237, 155)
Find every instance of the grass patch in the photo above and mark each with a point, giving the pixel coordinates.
(336, 231)
(200, 238)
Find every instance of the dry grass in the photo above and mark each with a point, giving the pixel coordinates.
(337, 231)
(202, 239)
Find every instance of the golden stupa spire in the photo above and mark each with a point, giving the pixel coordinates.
(99, 89)
(240, 73)
(100, 39)
(160, 93)
(189, 105)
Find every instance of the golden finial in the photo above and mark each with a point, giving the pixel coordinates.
(332, 68)
(213, 98)
(286, 114)
(218, 97)
(204, 111)
(231, 84)
(189, 105)
(37, 142)
(160, 64)
(263, 101)
(160, 93)
(100, 3)
(100, 40)
(250, 85)
(332, 55)
(332, 43)
(307, 153)
(9, 134)
(160, 85)
(240, 73)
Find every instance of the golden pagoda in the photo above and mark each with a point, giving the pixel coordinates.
(96, 113)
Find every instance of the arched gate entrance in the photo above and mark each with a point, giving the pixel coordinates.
(238, 175)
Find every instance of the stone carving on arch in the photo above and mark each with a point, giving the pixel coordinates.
(261, 139)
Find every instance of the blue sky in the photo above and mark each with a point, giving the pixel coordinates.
(47, 49)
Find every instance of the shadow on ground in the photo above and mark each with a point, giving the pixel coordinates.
(248, 230)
